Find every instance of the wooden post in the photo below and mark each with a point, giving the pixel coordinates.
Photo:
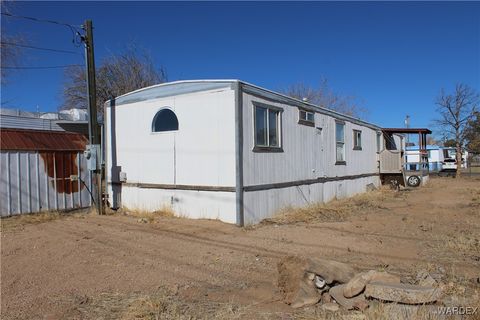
(93, 128)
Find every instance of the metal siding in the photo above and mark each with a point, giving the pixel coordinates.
(4, 183)
(13, 175)
(307, 154)
(43, 184)
(31, 140)
(26, 187)
(55, 181)
(8, 121)
(267, 203)
(37, 183)
(20, 183)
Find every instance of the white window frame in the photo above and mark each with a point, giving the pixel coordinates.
(305, 120)
(342, 142)
(357, 139)
(267, 147)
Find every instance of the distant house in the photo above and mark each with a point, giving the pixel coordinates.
(38, 158)
(439, 158)
(229, 150)
(435, 157)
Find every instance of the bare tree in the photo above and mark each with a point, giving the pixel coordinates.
(322, 95)
(450, 143)
(117, 75)
(9, 45)
(10, 54)
(455, 111)
(432, 141)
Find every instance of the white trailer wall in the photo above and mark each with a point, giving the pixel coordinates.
(191, 170)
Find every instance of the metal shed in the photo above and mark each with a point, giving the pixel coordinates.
(36, 167)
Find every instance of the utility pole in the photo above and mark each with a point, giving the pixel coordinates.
(93, 152)
(407, 125)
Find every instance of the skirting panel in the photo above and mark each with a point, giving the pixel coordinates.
(185, 203)
(264, 204)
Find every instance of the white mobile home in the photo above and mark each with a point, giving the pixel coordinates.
(229, 150)
(435, 157)
(439, 158)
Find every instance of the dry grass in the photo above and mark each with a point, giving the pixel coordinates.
(149, 216)
(475, 193)
(33, 218)
(394, 311)
(464, 243)
(335, 210)
(163, 304)
(475, 169)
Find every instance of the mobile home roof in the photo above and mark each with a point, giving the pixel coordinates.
(190, 86)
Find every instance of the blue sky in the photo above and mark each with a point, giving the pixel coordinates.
(394, 56)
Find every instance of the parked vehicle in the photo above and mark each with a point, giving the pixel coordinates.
(449, 165)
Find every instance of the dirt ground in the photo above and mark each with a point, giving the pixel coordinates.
(85, 266)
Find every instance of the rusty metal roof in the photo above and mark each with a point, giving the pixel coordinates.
(37, 140)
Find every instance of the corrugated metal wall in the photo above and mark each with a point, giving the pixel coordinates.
(33, 181)
(8, 121)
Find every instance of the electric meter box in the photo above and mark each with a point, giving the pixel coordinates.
(92, 155)
(123, 176)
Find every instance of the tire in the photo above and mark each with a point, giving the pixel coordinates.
(413, 181)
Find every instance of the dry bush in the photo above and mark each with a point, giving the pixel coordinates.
(335, 210)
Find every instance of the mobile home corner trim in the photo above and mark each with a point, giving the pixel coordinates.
(239, 154)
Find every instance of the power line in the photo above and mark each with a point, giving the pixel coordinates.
(73, 29)
(39, 20)
(38, 48)
(42, 67)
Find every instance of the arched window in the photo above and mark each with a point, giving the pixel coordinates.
(165, 120)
